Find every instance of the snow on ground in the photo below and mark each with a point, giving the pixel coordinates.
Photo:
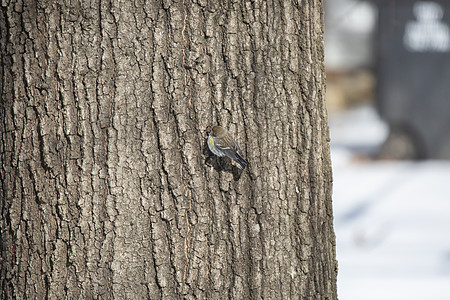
(391, 218)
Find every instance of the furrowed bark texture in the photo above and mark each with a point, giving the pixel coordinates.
(106, 188)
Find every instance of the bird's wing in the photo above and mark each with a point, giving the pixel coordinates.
(227, 140)
(225, 143)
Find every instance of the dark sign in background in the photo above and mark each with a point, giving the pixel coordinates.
(414, 73)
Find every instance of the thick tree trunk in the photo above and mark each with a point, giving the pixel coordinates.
(106, 189)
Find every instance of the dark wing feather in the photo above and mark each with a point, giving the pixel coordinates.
(225, 143)
(233, 151)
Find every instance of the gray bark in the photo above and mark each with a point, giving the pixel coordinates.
(106, 188)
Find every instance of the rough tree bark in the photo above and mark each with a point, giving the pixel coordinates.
(106, 189)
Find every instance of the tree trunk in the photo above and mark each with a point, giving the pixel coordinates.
(107, 191)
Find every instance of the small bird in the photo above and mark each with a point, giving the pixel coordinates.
(221, 144)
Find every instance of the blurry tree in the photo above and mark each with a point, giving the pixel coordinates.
(106, 192)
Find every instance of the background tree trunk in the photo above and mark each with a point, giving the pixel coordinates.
(106, 192)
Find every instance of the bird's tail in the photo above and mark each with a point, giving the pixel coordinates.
(242, 163)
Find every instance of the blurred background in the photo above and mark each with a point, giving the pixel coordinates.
(388, 98)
